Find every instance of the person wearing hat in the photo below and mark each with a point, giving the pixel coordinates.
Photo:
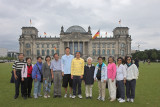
(37, 77)
(77, 72)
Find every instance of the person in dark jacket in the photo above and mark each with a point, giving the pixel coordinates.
(89, 77)
(136, 62)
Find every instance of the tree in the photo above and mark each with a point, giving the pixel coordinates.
(154, 55)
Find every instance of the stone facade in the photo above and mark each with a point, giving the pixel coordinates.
(78, 39)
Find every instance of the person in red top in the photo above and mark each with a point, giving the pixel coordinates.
(26, 74)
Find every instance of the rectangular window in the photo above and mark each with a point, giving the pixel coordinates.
(38, 53)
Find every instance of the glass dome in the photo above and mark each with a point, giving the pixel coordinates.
(75, 29)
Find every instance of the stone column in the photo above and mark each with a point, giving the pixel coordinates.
(83, 48)
(78, 46)
(73, 46)
(67, 44)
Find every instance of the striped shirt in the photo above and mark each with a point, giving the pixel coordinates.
(18, 65)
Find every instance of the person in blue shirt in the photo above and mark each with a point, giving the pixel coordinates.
(66, 61)
(36, 76)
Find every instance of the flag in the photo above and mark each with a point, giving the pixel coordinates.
(45, 33)
(30, 21)
(120, 21)
(97, 34)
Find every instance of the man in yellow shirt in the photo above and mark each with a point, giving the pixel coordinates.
(77, 71)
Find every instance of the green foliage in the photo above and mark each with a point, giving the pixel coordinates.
(151, 54)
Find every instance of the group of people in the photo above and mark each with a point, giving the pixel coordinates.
(72, 71)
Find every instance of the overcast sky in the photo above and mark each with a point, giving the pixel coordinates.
(141, 16)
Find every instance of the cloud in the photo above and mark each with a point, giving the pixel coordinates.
(49, 15)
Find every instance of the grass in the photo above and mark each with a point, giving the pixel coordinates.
(147, 92)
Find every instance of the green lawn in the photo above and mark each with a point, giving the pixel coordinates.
(147, 92)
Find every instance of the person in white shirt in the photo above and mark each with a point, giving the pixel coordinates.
(131, 77)
(121, 80)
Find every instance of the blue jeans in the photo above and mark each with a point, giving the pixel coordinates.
(37, 87)
(76, 81)
(46, 87)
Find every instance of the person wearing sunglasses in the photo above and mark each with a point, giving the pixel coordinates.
(131, 77)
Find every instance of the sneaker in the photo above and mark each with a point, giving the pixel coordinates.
(35, 96)
(128, 100)
(99, 98)
(45, 96)
(132, 100)
(103, 99)
(65, 95)
(39, 95)
(70, 95)
(73, 97)
(90, 97)
(112, 100)
(80, 96)
(87, 97)
(122, 101)
(48, 96)
(15, 97)
(119, 99)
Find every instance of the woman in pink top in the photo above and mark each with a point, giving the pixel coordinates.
(111, 68)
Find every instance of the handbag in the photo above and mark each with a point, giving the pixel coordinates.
(40, 74)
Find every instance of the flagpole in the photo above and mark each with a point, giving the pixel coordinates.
(99, 42)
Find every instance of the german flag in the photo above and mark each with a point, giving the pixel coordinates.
(97, 34)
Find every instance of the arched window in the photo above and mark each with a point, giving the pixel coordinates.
(122, 45)
(103, 52)
(48, 52)
(113, 51)
(38, 52)
(57, 51)
(28, 45)
(52, 52)
(122, 52)
(94, 52)
(28, 52)
(108, 52)
(43, 53)
(98, 52)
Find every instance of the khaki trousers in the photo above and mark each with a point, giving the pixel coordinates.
(88, 90)
(102, 89)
